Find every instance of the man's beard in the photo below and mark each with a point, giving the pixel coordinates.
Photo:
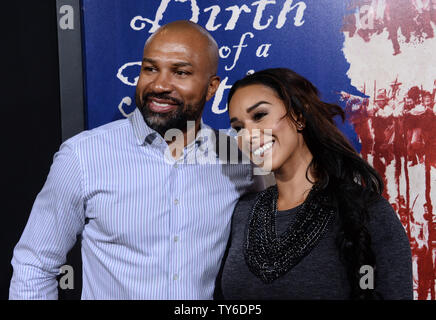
(175, 119)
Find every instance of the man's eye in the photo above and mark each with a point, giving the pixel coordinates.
(148, 69)
(182, 73)
(259, 115)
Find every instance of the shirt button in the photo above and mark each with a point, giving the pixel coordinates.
(176, 277)
(176, 238)
(176, 201)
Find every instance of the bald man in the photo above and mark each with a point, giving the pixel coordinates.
(149, 196)
(178, 76)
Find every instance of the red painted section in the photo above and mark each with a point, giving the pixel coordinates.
(405, 17)
(397, 130)
(402, 136)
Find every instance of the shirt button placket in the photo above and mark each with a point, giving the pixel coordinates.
(175, 239)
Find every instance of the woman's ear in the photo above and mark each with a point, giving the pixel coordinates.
(299, 121)
(300, 126)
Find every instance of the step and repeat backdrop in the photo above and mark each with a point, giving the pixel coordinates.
(375, 58)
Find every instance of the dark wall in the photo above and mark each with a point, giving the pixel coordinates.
(31, 123)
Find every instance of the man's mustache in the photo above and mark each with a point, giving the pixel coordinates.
(162, 96)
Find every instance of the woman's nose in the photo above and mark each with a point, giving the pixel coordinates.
(249, 138)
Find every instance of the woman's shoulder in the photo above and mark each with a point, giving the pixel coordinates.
(243, 209)
(380, 210)
(384, 222)
(391, 247)
(246, 202)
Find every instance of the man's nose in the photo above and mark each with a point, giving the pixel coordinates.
(161, 82)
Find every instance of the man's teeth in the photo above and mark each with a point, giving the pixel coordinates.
(161, 104)
(261, 150)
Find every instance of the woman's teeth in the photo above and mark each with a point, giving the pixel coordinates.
(260, 151)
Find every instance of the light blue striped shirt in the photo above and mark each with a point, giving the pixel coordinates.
(150, 228)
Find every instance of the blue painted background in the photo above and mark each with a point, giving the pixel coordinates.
(313, 49)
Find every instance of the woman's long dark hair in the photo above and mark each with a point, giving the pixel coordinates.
(338, 169)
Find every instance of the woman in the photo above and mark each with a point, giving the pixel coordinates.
(323, 231)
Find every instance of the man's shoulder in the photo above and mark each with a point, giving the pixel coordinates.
(105, 132)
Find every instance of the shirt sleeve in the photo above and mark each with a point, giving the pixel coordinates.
(57, 217)
(393, 277)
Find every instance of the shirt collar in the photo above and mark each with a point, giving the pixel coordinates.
(140, 128)
(145, 135)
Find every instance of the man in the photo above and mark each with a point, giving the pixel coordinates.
(384, 135)
(152, 225)
(413, 120)
(360, 113)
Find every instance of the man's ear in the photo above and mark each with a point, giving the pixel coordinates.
(214, 83)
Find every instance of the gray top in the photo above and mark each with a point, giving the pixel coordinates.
(321, 274)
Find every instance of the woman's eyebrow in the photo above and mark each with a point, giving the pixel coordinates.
(249, 109)
(254, 106)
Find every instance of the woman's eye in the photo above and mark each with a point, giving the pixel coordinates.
(259, 115)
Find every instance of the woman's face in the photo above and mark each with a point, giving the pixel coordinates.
(265, 133)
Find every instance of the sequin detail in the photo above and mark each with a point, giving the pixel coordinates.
(270, 256)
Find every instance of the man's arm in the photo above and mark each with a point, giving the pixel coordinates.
(56, 219)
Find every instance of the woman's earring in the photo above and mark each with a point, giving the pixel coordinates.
(300, 126)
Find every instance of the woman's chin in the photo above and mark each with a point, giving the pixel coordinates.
(266, 166)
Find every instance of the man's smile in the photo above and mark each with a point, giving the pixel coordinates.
(161, 105)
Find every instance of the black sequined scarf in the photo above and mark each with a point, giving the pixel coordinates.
(269, 256)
